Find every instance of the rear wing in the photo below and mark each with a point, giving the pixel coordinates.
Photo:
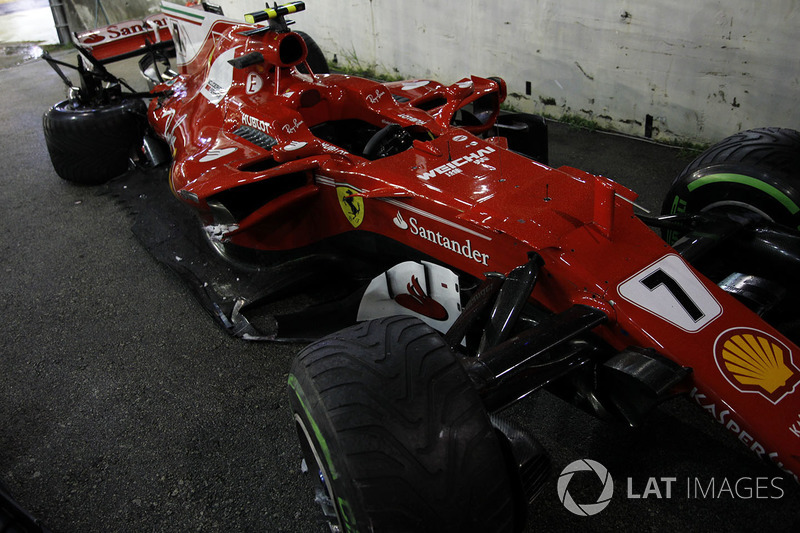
(126, 39)
(136, 37)
(151, 38)
(184, 31)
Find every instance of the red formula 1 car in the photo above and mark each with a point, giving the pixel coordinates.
(492, 275)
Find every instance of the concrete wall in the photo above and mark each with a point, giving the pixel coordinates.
(87, 14)
(702, 69)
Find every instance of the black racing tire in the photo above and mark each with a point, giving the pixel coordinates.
(315, 58)
(89, 146)
(391, 425)
(528, 137)
(756, 170)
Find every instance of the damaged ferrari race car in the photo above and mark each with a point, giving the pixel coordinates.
(469, 274)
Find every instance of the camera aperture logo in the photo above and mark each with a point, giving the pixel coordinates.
(585, 509)
(598, 479)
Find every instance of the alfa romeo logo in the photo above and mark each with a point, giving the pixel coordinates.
(585, 509)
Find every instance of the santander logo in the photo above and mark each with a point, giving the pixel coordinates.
(294, 145)
(465, 248)
(417, 301)
(92, 39)
(399, 222)
(216, 153)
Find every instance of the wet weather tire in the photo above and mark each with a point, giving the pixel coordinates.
(315, 58)
(90, 146)
(389, 420)
(756, 170)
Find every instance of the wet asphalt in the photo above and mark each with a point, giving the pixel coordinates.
(123, 407)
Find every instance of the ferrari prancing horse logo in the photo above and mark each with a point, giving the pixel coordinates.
(353, 206)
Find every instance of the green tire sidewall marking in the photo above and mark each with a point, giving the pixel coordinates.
(766, 188)
(344, 505)
(347, 515)
(298, 390)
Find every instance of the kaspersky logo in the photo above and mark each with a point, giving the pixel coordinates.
(756, 362)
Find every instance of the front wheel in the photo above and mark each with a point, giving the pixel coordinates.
(756, 170)
(395, 434)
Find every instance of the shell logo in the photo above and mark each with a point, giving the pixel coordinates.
(756, 362)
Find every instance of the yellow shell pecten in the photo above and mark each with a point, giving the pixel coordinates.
(755, 360)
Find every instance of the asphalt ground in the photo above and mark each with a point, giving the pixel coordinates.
(124, 407)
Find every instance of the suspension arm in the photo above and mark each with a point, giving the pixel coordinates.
(532, 359)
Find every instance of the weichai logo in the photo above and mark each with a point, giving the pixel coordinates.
(451, 168)
(756, 362)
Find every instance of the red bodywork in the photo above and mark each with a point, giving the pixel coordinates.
(465, 201)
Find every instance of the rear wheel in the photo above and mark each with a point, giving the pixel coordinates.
(526, 134)
(315, 58)
(756, 170)
(89, 145)
(395, 434)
